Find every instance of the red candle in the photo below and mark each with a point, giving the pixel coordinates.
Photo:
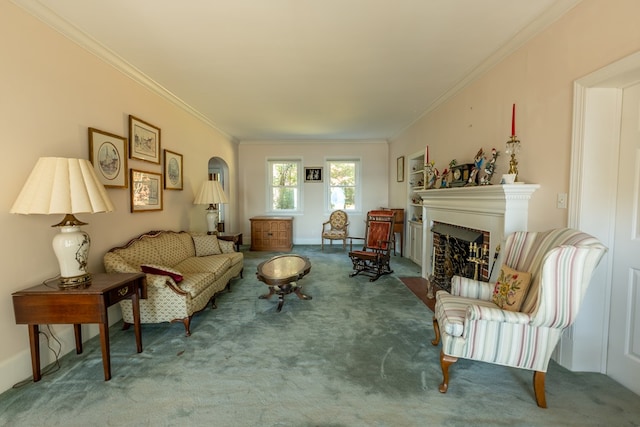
(513, 120)
(426, 155)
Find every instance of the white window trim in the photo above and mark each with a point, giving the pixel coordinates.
(327, 183)
(268, 201)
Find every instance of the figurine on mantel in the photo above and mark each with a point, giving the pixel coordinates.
(431, 175)
(444, 179)
(478, 161)
(489, 169)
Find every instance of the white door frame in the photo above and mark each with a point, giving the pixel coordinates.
(593, 192)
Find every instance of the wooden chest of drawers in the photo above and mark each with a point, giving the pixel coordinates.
(271, 233)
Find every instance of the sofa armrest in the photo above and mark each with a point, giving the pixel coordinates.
(159, 281)
(495, 314)
(469, 288)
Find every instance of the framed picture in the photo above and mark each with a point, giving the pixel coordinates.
(144, 140)
(108, 155)
(172, 170)
(313, 174)
(146, 191)
(400, 169)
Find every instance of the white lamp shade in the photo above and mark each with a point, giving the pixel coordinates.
(62, 186)
(65, 186)
(211, 192)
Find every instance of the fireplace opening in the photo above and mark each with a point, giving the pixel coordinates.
(458, 251)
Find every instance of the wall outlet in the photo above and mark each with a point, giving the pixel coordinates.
(562, 201)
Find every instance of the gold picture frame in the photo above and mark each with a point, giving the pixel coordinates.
(144, 140)
(146, 191)
(108, 155)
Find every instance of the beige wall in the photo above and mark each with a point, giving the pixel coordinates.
(307, 225)
(538, 78)
(51, 91)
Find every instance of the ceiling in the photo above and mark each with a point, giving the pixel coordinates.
(302, 69)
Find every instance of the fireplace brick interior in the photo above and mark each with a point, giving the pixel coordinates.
(451, 253)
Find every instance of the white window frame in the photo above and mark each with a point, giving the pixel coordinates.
(358, 184)
(269, 184)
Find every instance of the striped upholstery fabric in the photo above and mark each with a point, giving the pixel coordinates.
(472, 327)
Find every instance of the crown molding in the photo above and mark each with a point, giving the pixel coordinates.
(73, 33)
(551, 15)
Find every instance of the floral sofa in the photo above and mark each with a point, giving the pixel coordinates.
(184, 272)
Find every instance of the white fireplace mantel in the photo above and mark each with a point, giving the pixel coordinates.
(498, 209)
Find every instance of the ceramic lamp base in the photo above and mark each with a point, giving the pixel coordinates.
(71, 247)
(212, 221)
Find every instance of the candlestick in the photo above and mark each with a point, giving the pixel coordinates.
(513, 147)
(513, 120)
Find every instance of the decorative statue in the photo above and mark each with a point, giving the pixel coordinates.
(444, 182)
(490, 168)
(478, 161)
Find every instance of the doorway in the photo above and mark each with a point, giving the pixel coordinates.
(218, 170)
(605, 188)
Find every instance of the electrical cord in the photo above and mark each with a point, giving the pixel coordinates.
(56, 353)
(51, 336)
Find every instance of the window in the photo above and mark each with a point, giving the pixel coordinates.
(284, 179)
(343, 185)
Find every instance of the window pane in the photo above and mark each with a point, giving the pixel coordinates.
(285, 198)
(285, 174)
(342, 187)
(342, 173)
(337, 199)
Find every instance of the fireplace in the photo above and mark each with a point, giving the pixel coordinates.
(492, 211)
(458, 251)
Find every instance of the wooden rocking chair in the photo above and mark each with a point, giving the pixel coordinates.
(373, 259)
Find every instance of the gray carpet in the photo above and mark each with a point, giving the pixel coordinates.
(358, 354)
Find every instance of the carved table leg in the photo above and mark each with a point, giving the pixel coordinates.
(267, 296)
(298, 291)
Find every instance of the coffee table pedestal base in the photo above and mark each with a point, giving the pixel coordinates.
(282, 290)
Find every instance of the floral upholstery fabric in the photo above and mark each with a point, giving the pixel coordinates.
(336, 228)
(203, 277)
(511, 288)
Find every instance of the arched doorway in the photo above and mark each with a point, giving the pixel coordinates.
(218, 170)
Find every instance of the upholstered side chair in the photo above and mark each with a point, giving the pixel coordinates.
(518, 320)
(336, 228)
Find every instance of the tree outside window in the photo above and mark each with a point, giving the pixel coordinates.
(284, 179)
(343, 184)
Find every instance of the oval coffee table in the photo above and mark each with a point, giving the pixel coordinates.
(281, 273)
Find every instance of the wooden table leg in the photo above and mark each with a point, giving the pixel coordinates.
(106, 356)
(77, 331)
(34, 343)
(135, 302)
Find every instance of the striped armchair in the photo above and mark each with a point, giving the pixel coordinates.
(471, 325)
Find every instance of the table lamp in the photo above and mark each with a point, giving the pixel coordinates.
(211, 193)
(65, 186)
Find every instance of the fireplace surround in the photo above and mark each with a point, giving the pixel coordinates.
(494, 209)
